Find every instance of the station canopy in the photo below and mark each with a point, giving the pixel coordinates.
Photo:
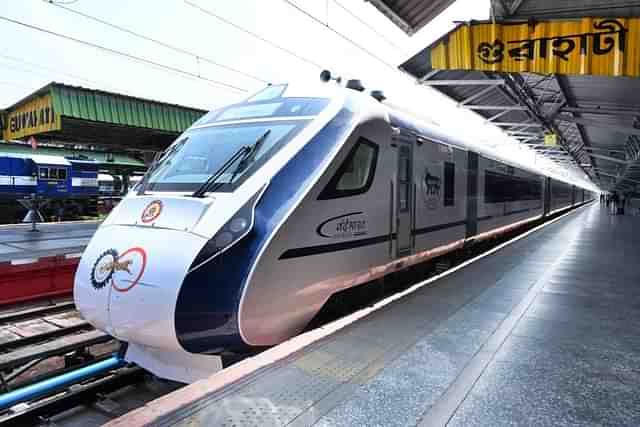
(79, 115)
(559, 75)
(411, 15)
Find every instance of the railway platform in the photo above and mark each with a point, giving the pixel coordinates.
(18, 241)
(35, 265)
(540, 331)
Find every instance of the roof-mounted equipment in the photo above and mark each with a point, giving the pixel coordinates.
(378, 95)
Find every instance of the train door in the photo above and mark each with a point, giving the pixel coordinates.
(547, 195)
(404, 197)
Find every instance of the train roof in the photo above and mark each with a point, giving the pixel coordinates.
(40, 159)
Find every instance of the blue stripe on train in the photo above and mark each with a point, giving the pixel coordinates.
(206, 315)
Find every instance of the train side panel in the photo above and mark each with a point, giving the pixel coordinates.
(561, 195)
(440, 189)
(506, 195)
(331, 241)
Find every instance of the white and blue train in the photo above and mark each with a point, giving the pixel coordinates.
(47, 177)
(261, 211)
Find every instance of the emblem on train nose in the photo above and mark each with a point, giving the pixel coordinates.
(151, 212)
(122, 271)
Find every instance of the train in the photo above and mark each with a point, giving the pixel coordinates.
(262, 210)
(61, 187)
(47, 177)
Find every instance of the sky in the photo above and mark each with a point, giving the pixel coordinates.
(352, 39)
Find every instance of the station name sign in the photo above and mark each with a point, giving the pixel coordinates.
(31, 118)
(586, 46)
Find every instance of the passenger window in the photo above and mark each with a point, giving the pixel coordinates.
(355, 175)
(44, 173)
(62, 174)
(449, 183)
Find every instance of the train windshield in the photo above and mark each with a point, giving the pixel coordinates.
(201, 152)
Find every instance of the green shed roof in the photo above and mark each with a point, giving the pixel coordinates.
(99, 106)
(110, 119)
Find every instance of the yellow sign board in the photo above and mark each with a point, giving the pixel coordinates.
(31, 118)
(586, 46)
(550, 139)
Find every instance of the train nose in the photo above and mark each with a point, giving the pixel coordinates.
(128, 280)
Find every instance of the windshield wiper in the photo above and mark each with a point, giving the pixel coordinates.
(143, 182)
(156, 162)
(250, 156)
(222, 169)
(246, 154)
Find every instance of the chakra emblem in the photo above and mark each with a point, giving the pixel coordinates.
(123, 271)
(151, 212)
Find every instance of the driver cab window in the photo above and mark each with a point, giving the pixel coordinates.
(356, 173)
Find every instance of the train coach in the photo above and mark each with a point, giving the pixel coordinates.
(47, 177)
(263, 210)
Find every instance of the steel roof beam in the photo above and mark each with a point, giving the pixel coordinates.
(583, 136)
(477, 95)
(487, 82)
(609, 158)
(610, 150)
(606, 111)
(394, 17)
(515, 6)
(547, 149)
(522, 125)
(497, 116)
(621, 179)
(428, 76)
(519, 133)
(497, 107)
(629, 130)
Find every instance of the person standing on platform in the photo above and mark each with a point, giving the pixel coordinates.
(601, 198)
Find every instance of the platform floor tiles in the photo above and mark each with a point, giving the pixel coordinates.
(18, 241)
(544, 332)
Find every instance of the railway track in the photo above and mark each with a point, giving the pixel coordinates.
(36, 341)
(34, 325)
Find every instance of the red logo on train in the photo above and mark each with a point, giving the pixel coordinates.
(151, 212)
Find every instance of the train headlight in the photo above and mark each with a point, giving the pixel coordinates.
(231, 233)
(224, 239)
(237, 225)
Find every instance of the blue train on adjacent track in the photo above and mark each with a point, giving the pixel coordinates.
(47, 177)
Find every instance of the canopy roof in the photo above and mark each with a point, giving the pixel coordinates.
(71, 113)
(411, 15)
(573, 78)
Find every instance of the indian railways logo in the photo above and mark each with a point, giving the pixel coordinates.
(122, 271)
(151, 212)
(431, 189)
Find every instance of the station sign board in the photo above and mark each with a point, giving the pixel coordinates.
(582, 46)
(31, 118)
